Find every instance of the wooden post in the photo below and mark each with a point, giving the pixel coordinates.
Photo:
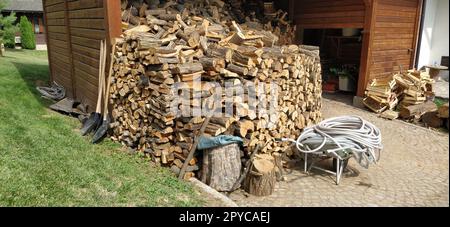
(369, 24)
(112, 19)
(292, 10)
(416, 32)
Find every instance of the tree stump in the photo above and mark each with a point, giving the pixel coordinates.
(222, 167)
(261, 179)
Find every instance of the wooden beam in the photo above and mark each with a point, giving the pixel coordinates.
(291, 10)
(369, 24)
(329, 25)
(416, 33)
(112, 24)
(112, 19)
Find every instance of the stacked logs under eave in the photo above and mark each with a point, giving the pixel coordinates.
(171, 46)
(251, 14)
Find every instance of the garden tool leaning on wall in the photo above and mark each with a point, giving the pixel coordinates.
(95, 119)
(103, 129)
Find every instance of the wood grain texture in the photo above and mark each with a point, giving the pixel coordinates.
(395, 35)
(74, 30)
(329, 14)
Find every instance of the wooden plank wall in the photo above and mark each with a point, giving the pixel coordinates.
(75, 28)
(87, 29)
(317, 14)
(394, 36)
(58, 45)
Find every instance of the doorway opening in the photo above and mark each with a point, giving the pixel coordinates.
(340, 54)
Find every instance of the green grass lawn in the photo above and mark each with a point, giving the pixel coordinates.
(45, 162)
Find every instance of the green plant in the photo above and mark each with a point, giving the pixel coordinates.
(348, 71)
(440, 101)
(8, 30)
(27, 36)
(3, 3)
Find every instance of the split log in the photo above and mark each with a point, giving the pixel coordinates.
(188, 68)
(212, 64)
(408, 112)
(389, 114)
(237, 69)
(244, 127)
(262, 177)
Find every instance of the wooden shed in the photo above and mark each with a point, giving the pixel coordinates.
(390, 30)
(75, 28)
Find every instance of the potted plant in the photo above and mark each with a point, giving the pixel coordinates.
(346, 77)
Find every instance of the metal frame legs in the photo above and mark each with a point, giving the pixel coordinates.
(339, 168)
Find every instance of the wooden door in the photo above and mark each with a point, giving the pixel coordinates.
(395, 32)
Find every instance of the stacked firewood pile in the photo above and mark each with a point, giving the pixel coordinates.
(417, 87)
(382, 94)
(251, 14)
(402, 95)
(166, 44)
(260, 15)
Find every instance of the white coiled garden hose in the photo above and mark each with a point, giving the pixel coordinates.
(341, 137)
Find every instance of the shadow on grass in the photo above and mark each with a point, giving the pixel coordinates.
(34, 75)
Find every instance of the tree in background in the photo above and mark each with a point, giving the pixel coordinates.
(2, 4)
(7, 28)
(27, 36)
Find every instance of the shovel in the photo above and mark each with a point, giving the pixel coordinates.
(103, 129)
(95, 118)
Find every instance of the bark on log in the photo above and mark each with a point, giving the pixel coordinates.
(417, 110)
(222, 167)
(262, 177)
(431, 119)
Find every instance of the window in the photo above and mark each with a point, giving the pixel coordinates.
(36, 24)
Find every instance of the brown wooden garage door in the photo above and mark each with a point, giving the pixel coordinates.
(394, 36)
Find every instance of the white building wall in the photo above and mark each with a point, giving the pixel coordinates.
(435, 33)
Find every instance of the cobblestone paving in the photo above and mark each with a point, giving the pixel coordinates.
(413, 171)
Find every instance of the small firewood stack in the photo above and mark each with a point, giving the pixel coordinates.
(398, 91)
(382, 94)
(200, 40)
(416, 85)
